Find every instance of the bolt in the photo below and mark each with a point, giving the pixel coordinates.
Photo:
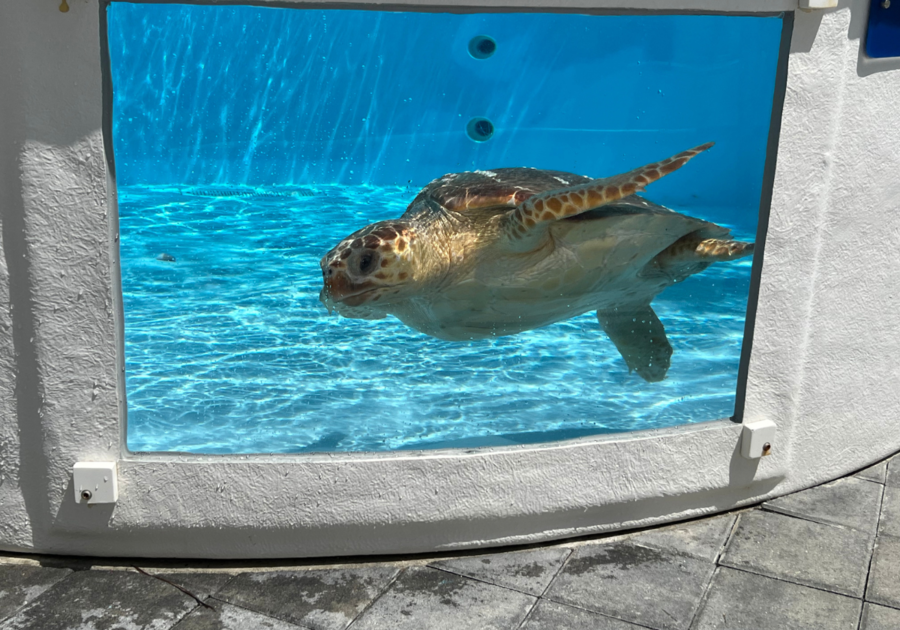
(886, 4)
(86, 495)
(767, 448)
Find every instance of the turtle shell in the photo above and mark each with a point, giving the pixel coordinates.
(500, 188)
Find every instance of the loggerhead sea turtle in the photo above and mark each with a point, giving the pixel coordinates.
(489, 253)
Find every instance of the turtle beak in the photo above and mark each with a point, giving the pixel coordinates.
(325, 298)
(330, 284)
(338, 288)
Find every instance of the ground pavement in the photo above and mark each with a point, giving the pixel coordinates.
(822, 559)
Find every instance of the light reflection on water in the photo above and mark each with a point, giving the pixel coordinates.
(228, 349)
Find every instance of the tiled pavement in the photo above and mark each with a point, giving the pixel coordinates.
(826, 558)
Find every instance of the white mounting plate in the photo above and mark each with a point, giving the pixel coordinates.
(817, 4)
(95, 482)
(754, 438)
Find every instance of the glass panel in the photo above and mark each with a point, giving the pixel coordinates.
(506, 306)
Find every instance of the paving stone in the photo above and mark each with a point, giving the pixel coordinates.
(20, 583)
(876, 617)
(890, 512)
(884, 575)
(529, 571)
(228, 617)
(739, 600)
(824, 556)
(651, 587)
(104, 599)
(876, 473)
(201, 584)
(320, 599)
(423, 597)
(703, 538)
(849, 502)
(893, 472)
(549, 615)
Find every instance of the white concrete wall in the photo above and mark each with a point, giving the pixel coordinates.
(823, 366)
(823, 363)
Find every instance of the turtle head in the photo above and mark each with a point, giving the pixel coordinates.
(367, 269)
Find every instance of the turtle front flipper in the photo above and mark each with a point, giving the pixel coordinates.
(526, 226)
(641, 339)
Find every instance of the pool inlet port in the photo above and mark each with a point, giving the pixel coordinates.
(480, 129)
(482, 47)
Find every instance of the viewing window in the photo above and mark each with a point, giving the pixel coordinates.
(541, 289)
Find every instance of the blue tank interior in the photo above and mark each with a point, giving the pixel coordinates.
(260, 96)
(249, 140)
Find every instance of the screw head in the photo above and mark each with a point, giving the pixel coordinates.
(86, 495)
(886, 4)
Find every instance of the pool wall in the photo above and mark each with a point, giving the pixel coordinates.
(823, 365)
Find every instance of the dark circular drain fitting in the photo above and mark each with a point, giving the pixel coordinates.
(482, 47)
(480, 129)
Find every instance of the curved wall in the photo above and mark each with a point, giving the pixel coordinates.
(822, 365)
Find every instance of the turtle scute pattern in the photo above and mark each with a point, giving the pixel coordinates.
(368, 259)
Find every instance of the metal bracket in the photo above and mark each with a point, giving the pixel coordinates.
(810, 5)
(757, 439)
(95, 482)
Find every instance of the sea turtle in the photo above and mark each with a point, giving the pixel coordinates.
(489, 253)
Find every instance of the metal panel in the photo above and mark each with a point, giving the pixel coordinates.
(883, 34)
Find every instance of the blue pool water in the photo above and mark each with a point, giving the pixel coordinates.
(249, 140)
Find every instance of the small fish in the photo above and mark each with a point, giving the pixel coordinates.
(166, 257)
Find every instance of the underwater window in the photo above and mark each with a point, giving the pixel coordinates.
(347, 230)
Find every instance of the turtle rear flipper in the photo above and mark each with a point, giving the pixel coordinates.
(641, 339)
(693, 253)
(526, 226)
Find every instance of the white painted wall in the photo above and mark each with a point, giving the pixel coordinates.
(823, 366)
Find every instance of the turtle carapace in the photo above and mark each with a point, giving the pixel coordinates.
(489, 253)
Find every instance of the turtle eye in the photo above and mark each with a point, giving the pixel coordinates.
(366, 262)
